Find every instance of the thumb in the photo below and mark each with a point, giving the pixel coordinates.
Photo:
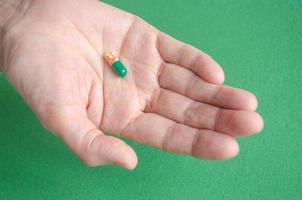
(87, 141)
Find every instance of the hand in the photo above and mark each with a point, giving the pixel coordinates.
(172, 97)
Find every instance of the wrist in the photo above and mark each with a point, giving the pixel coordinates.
(10, 12)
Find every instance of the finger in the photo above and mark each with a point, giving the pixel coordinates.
(163, 133)
(87, 141)
(176, 52)
(187, 83)
(200, 115)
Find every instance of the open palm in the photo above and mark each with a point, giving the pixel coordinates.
(172, 97)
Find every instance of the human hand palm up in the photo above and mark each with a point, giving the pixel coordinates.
(172, 97)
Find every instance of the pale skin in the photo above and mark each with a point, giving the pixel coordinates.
(173, 97)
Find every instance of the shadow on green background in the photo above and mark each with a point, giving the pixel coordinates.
(259, 45)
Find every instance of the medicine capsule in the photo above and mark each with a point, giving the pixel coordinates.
(116, 65)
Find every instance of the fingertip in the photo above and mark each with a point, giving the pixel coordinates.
(254, 123)
(216, 75)
(131, 160)
(120, 153)
(258, 123)
(232, 149)
(229, 148)
(219, 76)
(246, 123)
(251, 102)
(216, 146)
(210, 70)
(108, 150)
(235, 98)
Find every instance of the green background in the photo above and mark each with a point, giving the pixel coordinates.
(259, 45)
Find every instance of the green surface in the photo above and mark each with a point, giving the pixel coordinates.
(259, 44)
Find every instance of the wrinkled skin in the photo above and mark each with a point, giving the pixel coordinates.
(173, 97)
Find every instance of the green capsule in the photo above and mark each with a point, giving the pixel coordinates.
(119, 68)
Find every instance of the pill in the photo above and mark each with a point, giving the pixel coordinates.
(116, 64)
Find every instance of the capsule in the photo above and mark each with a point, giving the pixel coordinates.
(116, 65)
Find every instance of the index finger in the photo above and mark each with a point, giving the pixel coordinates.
(184, 55)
